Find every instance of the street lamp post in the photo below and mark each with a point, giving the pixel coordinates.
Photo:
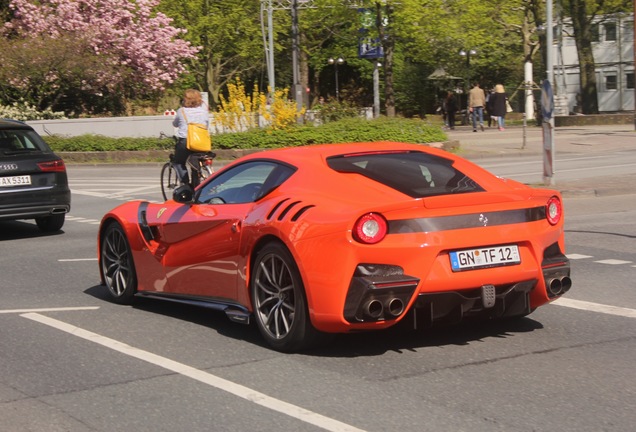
(467, 54)
(335, 63)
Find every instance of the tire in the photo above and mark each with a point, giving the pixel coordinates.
(169, 180)
(279, 301)
(51, 223)
(117, 265)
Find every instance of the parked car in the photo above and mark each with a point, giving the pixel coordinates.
(33, 181)
(340, 238)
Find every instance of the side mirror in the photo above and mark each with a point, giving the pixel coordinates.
(183, 194)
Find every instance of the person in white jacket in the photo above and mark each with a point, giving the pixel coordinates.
(196, 112)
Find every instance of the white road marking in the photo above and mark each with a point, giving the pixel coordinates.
(613, 262)
(577, 256)
(77, 259)
(82, 220)
(243, 392)
(596, 307)
(61, 309)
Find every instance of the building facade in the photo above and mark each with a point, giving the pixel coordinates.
(613, 51)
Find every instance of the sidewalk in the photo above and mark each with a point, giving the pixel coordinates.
(579, 139)
(574, 140)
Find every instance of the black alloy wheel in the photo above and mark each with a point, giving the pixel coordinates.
(117, 265)
(280, 305)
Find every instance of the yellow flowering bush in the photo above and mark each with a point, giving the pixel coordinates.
(237, 112)
(240, 111)
(282, 113)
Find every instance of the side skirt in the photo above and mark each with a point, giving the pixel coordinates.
(235, 312)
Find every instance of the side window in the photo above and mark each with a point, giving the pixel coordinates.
(629, 78)
(595, 33)
(244, 183)
(610, 31)
(611, 82)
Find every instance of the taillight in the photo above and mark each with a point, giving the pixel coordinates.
(208, 162)
(370, 228)
(53, 166)
(553, 210)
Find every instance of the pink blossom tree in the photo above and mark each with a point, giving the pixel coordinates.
(139, 51)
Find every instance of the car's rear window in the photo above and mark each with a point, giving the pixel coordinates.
(16, 141)
(413, 173)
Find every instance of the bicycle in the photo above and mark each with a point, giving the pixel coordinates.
(199, 164)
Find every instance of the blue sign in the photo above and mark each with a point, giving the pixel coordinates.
(369, 47)
(547, 100)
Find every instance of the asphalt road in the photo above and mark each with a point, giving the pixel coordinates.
(70, 360)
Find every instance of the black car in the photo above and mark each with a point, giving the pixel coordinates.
(33, 181)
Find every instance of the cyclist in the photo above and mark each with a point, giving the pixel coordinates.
(196, 112)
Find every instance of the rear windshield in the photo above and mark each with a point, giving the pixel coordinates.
(413, 173)
(16, 141)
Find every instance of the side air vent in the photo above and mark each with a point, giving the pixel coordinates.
(271, 213)
(286, 208)
(300, 212)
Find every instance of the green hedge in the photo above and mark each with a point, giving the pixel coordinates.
(346, 130)
(103, 143)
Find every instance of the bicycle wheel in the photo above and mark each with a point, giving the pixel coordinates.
(169, 180)
(206, 171)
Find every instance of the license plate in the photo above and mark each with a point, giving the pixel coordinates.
(484, 257)
(15, 180)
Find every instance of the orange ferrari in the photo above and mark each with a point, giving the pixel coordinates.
(343, 237)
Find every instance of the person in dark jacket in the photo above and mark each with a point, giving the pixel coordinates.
(492, 119)
(498, 104)
(451, 108)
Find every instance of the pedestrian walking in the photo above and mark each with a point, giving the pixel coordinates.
(451, 109)
(476, 103)
(492, 118)
(499, 104)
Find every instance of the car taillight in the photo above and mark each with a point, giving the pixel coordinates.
(53, 166)
(553, 210)
(370, 228)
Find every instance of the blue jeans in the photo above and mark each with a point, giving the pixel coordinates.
(478, 111)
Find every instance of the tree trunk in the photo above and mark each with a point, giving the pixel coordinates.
(388, 43)
(581, 25)
(304, 70)
(212, 82)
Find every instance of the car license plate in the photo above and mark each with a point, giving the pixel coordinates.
(484, 257)
(15, 180)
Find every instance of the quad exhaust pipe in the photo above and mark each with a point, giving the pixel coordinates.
(395, 307)
(373, 309)
(391, 308)
(558, 286)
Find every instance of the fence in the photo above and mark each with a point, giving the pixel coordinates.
(141, 126)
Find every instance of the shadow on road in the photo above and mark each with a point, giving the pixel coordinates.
(400, 338)
(15, 230)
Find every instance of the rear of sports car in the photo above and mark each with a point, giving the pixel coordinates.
(445, 241)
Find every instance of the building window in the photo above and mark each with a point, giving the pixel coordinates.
(628, 30)
(610, 82)
(610, 31)
(595, 33)
(629, 80)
